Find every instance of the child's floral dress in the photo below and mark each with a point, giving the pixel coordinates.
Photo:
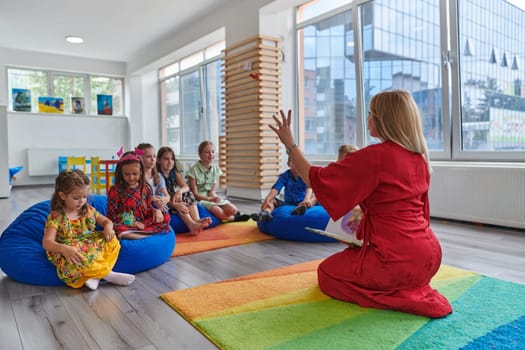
(100, 256)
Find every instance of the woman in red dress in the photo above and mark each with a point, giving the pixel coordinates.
(390, 181)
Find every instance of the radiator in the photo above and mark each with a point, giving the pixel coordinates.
(44, 161)
(477, 192)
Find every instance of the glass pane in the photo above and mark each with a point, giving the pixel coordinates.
(327, 93)
(67, 86)
(171, 112)
(394, 58)
(194, 124)
(33, 80)
(491, 59)
(213, 95)
(107, 86)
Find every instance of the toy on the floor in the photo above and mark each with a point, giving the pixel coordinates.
(13, 172)
(283, 225)
(23, 258)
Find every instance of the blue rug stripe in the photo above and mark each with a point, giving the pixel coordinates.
(484, 307)
(507, 337)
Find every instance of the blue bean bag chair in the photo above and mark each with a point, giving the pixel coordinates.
(180, 227)
(292, 227)
(24, 260)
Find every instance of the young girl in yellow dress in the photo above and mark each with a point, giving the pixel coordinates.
(82, 256)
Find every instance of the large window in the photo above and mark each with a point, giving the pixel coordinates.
(474, 48)
(491, 43)
(42, 83)
(327, 85)
(401, 50)
(191, 101)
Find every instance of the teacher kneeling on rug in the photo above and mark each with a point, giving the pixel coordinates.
(389, 181)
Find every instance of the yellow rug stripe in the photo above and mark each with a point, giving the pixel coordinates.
(219, 296)
(307, 295)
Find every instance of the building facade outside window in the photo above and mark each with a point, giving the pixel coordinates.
(492, 75)
(351, 52)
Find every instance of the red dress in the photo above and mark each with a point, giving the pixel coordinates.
(400, 254)
(127, 205)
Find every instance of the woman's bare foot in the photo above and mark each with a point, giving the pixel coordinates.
(122, 279)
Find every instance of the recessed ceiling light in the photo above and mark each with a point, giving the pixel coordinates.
(74, 39)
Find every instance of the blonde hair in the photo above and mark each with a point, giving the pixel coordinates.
(345, 149)
(397, 119)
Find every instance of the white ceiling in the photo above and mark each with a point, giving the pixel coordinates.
(112, 29)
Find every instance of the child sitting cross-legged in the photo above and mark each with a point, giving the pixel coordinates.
(202, 177)
(181, 200)
(295, 193)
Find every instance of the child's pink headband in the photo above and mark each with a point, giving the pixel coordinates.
(134, 156)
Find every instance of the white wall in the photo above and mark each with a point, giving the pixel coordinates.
(235, 22)
(4, 156)
(25, 130)
(145, 108)
(55, 131)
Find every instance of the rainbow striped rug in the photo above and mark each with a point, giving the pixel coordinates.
(284, 309)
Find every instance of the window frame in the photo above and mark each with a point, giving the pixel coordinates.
(201, 68)
(450, 85)
(51, 74)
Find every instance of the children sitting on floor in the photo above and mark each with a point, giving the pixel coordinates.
(202, 177)
(295, 193)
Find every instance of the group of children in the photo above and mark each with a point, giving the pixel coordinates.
(147, 187)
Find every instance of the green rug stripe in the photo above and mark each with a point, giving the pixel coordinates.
(262, 329)
(375, 330)
(488, 304)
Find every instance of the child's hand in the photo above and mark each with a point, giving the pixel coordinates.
(72, 255)
(138, 225)
(158, 201)
(307, 203)
(215, 199)
(181, 208)
(157, 216)
(109, 234)
(177, 197)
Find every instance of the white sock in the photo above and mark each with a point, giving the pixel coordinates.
(92, 283)
(122, 279)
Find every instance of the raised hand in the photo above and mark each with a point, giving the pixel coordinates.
(282, 129)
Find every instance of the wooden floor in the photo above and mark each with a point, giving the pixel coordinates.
(112, 317)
